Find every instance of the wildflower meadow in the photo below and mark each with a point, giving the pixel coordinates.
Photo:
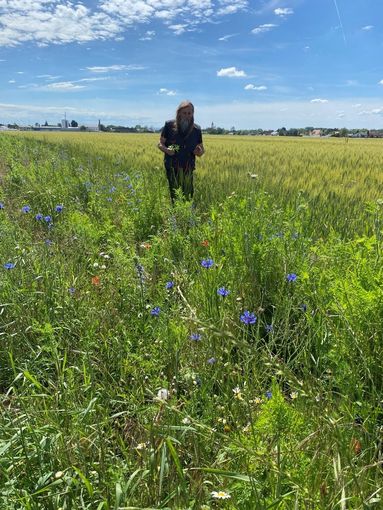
(220, 354)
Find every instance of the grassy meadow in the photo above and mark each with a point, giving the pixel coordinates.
(224, 354)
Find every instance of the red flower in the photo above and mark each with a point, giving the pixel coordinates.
(96, 281)
(205, 243)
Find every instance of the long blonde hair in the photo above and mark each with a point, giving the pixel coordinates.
(181, 106)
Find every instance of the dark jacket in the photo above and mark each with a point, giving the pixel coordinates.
(184, 157)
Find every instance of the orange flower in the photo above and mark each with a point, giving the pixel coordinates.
(96, 280)
(356, 445)
(146, 246)
(205, 243)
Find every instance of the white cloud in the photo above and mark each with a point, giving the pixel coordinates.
(47, 22)
(148, 36)
(64, 86)
(267, 5)
(166, 92)
(53, 22)
(231, 72)
(357, 105)
(320, 101)
(101, 78)
(373, 111)
(250, 86)
(107, 69)
(283, 11)
(12, 81)
(230, 7)
(185, 12)
(381, 82)
(226, 37)
(367, 28)
(179, 28)
(48, 77)
(261, 29)
(29, 86)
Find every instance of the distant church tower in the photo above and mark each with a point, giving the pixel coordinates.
(64, 122)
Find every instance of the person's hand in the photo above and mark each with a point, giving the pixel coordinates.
(198, 151)
(165, 149)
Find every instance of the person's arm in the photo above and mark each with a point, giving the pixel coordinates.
(199, 150)
(162, 146)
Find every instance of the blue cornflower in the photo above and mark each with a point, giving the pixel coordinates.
(39, 216)
(207, 263)
(303, 307)
(196, 337)
(211, 361)
(169, 285)
(9, 265)
(268, 395)
(140, 272)
(222, 291)
(155, 311)
(48, 242)
(109, 199)
(291, 277)
(26, 209)
(59, 208)
(112, 189)
(1, 205)
(48, 218)
(248, 317)
(71, 290)
(269, 328)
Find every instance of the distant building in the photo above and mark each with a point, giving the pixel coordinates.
(316, 132)
(63, 126)
(375, 133)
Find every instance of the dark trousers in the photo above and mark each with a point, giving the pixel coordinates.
(180, 178)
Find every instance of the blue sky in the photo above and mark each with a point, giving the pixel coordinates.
(246, 63)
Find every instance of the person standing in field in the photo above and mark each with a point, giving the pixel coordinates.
(181, 142)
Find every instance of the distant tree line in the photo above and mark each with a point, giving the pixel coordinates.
(216, 130)
(306, 131)
(111, 128)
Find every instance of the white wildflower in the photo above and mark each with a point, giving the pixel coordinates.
(163, 394)
(220, 495)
